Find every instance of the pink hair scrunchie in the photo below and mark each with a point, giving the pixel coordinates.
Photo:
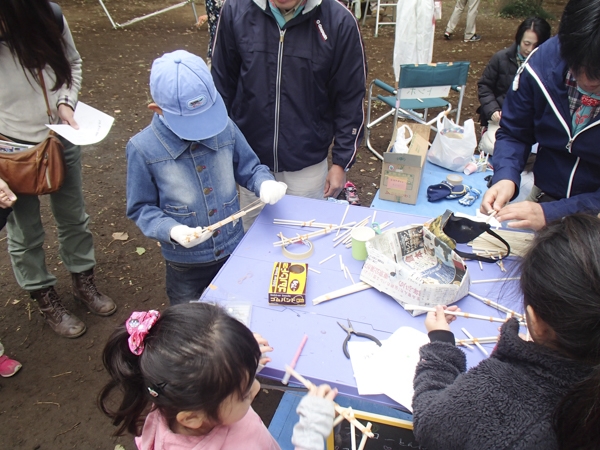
(138, 325)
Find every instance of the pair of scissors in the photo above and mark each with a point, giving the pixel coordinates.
(350, 330)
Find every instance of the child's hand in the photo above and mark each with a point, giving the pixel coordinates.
(323, 391)
(264, 348)
(438, 320)
(272, 191)
(189, 237)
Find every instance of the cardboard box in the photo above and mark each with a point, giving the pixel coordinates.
(288, 284)
(401, 172)
(415, 267)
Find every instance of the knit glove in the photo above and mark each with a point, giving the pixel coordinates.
(316, 421)
(189, 237)
(272, 191)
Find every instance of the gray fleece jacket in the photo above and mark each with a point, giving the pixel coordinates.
(506, 402)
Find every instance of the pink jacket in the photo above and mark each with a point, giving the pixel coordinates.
(249, 434)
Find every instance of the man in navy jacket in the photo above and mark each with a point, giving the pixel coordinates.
(292, 74)
(555, 101)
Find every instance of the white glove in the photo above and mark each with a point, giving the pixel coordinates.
(189, 237)
(272, 191)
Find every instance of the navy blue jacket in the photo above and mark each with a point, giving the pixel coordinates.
(536, 109)
(291, 91)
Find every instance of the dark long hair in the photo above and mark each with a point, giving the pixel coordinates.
(195, 356)
(579, 36)
(560, 279)
(539, 26)
(33, 36)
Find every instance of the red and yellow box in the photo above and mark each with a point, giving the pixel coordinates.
(288, 284)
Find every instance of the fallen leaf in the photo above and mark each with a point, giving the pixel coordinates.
(120, 236)
(14, 302)
(140, 250)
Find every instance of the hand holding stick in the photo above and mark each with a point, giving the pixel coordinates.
(342, 411)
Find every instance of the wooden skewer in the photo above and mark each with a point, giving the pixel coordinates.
(342, 411)
(479, 346)
(497, 306)
(360, 286)
(454, 313)
(343, 218)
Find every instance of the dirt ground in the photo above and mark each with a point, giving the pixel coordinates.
(50, 403)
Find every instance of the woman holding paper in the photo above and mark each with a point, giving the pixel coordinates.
(542, 393)
(36, 46)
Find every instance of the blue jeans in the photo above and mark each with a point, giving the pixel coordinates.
(187, 282)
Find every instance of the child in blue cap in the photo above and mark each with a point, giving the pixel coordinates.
(182, 172)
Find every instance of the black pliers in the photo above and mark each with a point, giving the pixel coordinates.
(350, 332)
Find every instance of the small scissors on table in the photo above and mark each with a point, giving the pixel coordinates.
(350, 332)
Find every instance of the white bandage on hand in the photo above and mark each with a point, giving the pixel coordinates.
(272, 191)
(189, 237)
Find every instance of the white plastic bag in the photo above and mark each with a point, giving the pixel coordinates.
(402, 142)
(453, 145)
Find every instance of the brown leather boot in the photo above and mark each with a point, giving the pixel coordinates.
(85, 290)
(63, 322)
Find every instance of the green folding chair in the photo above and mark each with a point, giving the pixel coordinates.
(421, 87)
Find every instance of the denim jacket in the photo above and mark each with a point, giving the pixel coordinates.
(172, 182)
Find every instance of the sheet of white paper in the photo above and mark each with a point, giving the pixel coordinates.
(401, 355)
(94, 125)
(389, 369)
(366, 366)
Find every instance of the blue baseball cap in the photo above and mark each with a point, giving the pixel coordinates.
(181, 84)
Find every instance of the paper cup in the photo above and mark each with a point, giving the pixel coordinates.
(360, 236)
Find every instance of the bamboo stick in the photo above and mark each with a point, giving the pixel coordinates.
(343, 218)
(483, 340)
(327, 259)
(454, 313)
(497, 306)
(360, 286)
(493, 280)
(470, 336)
(242, 212)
